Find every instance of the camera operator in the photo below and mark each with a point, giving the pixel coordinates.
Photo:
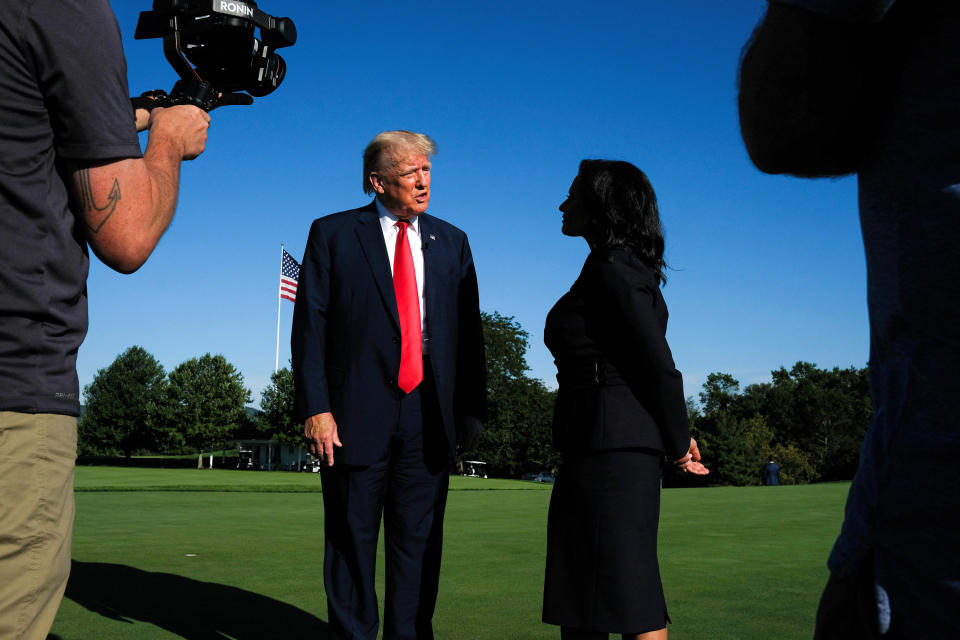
(71, 173)
(829, 87)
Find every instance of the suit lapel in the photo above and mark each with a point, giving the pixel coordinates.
(374, 250)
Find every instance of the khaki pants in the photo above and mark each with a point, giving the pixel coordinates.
(37, 456)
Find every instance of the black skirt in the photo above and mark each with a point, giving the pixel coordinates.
(602, 570)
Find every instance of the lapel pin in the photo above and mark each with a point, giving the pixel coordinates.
(433, 237)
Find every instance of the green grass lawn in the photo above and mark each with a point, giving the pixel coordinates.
(232, 554)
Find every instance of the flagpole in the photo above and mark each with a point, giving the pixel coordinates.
(276, 364)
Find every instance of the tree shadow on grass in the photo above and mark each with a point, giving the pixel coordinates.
(192, 609)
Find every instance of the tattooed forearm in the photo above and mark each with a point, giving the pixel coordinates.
(95, 216)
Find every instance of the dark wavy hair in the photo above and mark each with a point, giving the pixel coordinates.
(624, 210)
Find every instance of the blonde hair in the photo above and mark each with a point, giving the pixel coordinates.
(387, 149)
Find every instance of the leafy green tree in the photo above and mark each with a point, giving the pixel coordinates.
(719, 392)
(124, 406)
(207, 401)
(817, 418)
(535, 437)
(278, 417)
(824, 413)
(739, 449)
(517, 436)
(693, 411)
(753, 400)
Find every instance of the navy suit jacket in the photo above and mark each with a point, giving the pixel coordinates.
(345, 341)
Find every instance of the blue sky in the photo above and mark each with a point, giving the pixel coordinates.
(768, 270)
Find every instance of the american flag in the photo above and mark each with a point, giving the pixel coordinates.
(289, 275)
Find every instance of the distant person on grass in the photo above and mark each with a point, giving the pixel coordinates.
(771, 474)
(829, 87)
(620, 408)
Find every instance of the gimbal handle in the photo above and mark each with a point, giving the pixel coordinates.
(204, 97)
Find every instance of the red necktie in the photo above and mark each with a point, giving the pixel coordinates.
(408, 304)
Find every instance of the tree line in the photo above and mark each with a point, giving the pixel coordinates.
(134, 407)
(810, 420)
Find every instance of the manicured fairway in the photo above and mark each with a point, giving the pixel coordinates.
(228, 554)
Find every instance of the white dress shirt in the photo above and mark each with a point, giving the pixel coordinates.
(388, 223)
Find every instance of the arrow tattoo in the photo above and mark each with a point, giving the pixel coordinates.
(89, 206)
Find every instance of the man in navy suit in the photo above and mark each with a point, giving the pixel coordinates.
(771, 474)
(389, 369)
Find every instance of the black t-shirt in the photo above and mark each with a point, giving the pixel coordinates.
(63, 95)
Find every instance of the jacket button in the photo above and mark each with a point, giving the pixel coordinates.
(396, 339)
(391, 382)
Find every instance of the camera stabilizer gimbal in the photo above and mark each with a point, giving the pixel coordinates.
(212, 47)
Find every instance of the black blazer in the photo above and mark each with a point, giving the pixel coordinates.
(345, 341)
(618, 386)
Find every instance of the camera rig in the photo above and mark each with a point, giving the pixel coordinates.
(212, 47)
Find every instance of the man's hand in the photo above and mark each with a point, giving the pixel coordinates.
(320, 430)
(184, 127)
(690, 463)
(142, 117)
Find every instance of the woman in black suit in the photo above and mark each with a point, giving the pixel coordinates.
(620, 408)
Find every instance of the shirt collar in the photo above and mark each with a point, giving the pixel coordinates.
(387, 219)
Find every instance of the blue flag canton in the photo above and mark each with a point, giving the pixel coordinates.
(289, 275)
(289, 267)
